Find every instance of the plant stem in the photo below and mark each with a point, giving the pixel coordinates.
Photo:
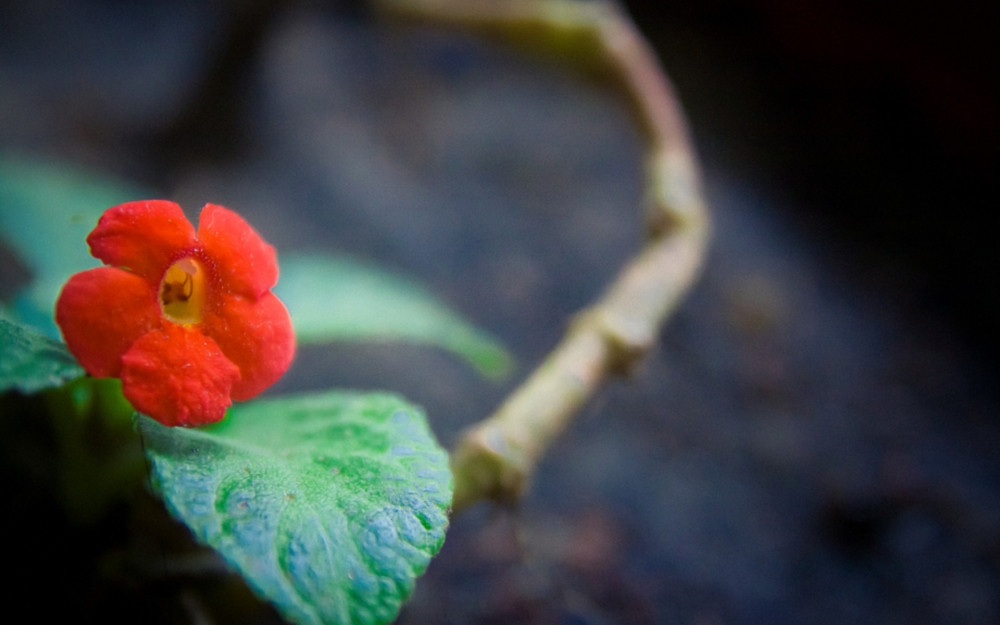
(495, 457)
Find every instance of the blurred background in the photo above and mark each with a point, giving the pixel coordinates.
(816, 439)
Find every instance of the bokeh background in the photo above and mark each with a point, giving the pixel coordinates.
(816, 439)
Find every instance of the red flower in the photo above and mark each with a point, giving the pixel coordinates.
(186, 320)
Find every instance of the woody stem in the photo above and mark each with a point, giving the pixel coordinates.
(495, 457)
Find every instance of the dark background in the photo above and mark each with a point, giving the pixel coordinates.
(815, 440)
(881, 120)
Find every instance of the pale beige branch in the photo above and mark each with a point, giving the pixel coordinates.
(495, 457)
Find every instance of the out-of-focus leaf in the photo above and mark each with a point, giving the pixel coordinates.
(332, 298)
(31, 362)
(101, 461)
(46, 212)
(329, 505)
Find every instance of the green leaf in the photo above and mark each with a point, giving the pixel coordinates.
(100, 458)
(334, 298)
(46, 213)
(30, 362)
(329, 505)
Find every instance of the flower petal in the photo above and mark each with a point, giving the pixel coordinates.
(143, 237)
(257, 336)
(101, 312)
(244, 263)
(178, 376)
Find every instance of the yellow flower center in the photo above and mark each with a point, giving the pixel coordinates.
(182, 292)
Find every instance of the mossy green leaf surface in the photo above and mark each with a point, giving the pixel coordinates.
(334, 298)
(31, 362)
(329, 505)
(46, 212)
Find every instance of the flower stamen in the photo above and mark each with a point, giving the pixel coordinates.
(182, 292)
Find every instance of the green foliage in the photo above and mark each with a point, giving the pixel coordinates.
(339, 298)
(30, 362)
(100, 457)
(329, 505)
(46, 212)
(97, 459)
